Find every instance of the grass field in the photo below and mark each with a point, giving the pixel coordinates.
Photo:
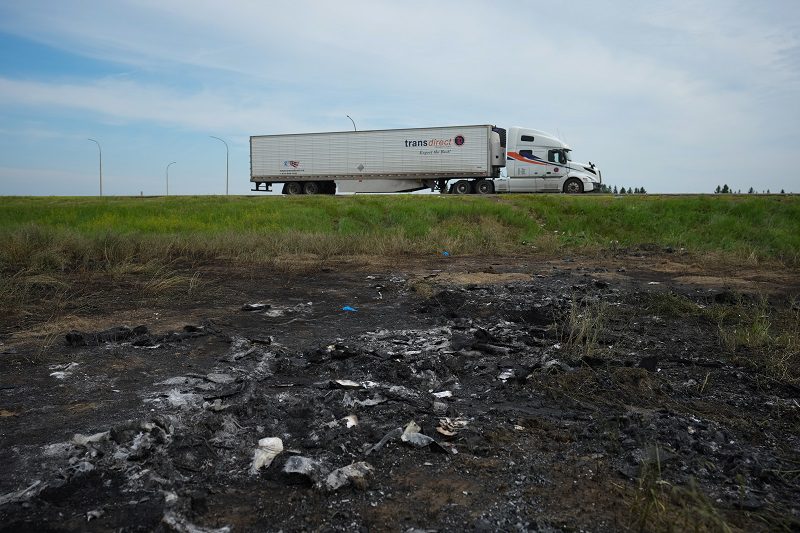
(58, 233)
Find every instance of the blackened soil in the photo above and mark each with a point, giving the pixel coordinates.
(150, 418)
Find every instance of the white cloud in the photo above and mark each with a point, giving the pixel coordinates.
(644, 82)
(135, 102)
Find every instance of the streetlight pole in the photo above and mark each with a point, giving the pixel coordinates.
(168, 175)
(100, 151)
(353, 121)
(227, 161)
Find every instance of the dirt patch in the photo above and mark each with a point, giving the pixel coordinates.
(442, 394)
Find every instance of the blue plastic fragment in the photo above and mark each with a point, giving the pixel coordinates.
(349, 309)
(446, 253)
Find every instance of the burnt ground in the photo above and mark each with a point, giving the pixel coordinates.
(451, 399)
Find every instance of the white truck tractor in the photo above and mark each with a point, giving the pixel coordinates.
(452, 159)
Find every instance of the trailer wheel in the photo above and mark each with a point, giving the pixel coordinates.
(311, 187)
(462, 187)
(293, 187)
(573, 186)
(484, 187)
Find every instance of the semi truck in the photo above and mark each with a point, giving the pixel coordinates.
(478, 159)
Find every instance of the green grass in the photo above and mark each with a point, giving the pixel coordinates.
(762, 336)
(752, 331)
(56, 233)
(763, 227)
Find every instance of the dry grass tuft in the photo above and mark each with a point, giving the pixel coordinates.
(657, 505)
(582, 325)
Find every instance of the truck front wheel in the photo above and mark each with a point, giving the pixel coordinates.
(293, 187)
(573, 186)
(462, 187)
(484, 187)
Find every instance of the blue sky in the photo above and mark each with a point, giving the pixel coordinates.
(672, 96)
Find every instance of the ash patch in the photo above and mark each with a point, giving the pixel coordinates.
(473, 407)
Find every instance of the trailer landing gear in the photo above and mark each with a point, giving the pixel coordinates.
(258, 184)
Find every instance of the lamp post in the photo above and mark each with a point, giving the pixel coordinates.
(100, 151)
(353, 121)
(168, 175)
(227, 161)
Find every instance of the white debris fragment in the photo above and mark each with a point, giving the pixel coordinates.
(82, 467)
(216, 405)
(268, 449)
(96, 513)
(63, 371)
(417, 440)
(178, 380)
(412, 427)
(506, 374)
(369, 402)
(58, 449)
(255, 306)
(303, 466)
(353, 473)
(83, 440)
(351, 420)
(220, 379)
(240, 347)
(450, 426)
(25, 494)
(393, 434)
(412, 435)
(177, 398)
(346, 383)
(444, 394)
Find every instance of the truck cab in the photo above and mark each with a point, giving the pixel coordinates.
(537, 161)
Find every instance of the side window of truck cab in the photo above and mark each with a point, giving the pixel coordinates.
(556, 156)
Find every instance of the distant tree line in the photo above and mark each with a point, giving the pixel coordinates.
(613, 190)
(729, 190)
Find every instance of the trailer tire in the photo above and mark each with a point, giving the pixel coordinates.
(462, 187)
(484, 187)
(573, 186)
(311, 187)
(293, 187)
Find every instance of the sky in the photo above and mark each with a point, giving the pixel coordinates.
(673, 96)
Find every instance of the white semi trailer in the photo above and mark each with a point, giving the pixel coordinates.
(455, 159)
